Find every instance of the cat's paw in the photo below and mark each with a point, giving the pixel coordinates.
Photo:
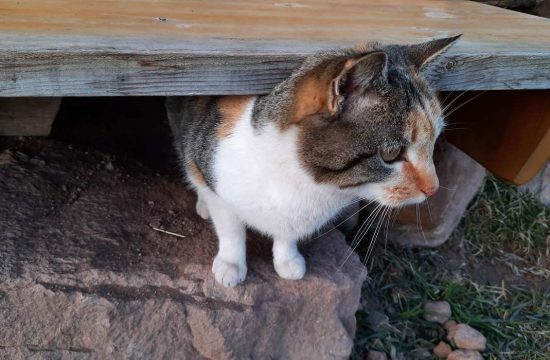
(228, 274)
(293, 269)
(202, 209)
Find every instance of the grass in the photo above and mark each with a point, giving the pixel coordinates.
(515, 320)
(501, 216)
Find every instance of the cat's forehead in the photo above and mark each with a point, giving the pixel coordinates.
(424, 122)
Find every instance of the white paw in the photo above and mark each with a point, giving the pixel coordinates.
(293, 269)
(202, 209)
(228, 274)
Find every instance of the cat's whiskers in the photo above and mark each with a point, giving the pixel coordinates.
(419, 224)
(446, 188)
(464, 103)
(429, 211)
(375, 236)
(360, 233)
(364, 227)
(346, 219)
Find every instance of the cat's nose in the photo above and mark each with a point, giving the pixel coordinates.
(429, 190)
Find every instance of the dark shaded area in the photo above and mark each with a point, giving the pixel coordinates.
(131, 126)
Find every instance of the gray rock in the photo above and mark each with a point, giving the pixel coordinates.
(437, 311)
(88, 278)
(460, 178)
(539, 186)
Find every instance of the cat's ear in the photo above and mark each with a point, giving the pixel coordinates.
(421, 54)
(364, 73)
(321, 89)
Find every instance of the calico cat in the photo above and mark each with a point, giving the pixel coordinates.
(347, 124)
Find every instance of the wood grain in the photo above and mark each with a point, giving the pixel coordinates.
(169, 47)
(508, 132)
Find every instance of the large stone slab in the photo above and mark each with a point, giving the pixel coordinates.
(83, 274)
(431, 223)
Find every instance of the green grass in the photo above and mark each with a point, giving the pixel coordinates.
(515, 321)
(502, 216)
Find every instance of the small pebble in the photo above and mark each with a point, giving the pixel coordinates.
(151, 203)
(109, 166)
(442, 350)
(449, 325)
(437, 311)
(466, 337)
(377, 320)
(63, 187)
(376, 355)
(464, 355)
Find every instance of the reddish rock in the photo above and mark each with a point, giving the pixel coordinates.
(437, 311)
(432, 222)
(465, 355)
(466, 337)
(83, 274)
(449, 325)
(442, 350)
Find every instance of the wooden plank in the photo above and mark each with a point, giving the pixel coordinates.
(136, 47)
(27, 116)
(508, 132)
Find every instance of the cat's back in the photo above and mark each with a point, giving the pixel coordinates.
(199, 124)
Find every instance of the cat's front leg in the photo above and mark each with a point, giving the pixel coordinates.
(288, 261)
(229, 265)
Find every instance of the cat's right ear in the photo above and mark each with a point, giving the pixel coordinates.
(323, 88)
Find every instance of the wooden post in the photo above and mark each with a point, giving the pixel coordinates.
(508, 132)
(27, 116)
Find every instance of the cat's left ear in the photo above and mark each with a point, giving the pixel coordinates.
(422, 54)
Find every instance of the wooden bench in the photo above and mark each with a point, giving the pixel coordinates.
(56, 48)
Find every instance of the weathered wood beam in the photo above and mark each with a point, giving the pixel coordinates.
(124, 48)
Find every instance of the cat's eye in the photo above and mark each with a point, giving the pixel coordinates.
(390, 154)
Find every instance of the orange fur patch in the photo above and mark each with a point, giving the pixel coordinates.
(195, 173)
(318, 91)
(231, 109)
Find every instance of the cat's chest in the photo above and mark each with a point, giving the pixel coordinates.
(261, 177)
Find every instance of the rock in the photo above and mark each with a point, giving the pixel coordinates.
(466, 337)
(442, 350)
(88, 277)
(539, 186)
(449, 325)
(109, 166)
(377, 320)
(465, 355)
(376, 355)
(437, 311)
(6, 157)
(460, 178)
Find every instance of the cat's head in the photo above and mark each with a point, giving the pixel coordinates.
(368, 121)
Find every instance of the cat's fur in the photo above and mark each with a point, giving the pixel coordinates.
(286, 163)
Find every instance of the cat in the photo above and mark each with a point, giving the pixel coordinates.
(347, 124)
